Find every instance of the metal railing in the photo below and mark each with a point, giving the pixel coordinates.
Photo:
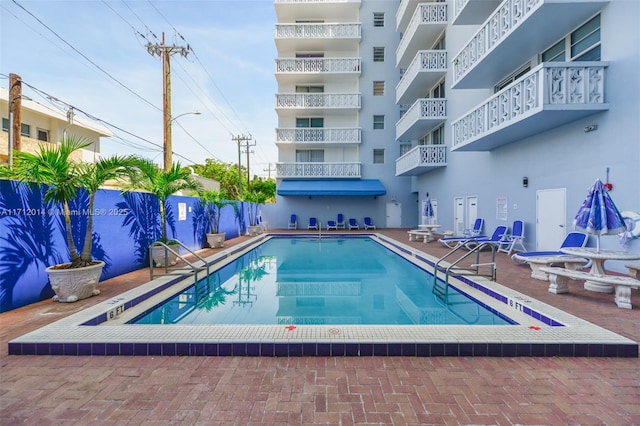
(179, 270)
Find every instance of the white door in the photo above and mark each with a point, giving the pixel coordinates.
(551, 215)
(472, 211)
(458, 219)
(394, 215)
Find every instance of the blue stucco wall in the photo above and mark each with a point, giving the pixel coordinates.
(32, 234)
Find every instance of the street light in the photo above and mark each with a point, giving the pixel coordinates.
(168, 161)
(10, 133)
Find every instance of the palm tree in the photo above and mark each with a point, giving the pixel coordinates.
(163, 184)
(54, 166)
(218, 200)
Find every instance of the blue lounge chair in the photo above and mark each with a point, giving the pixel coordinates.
(476, 230)
(353, 224)
(313, 223)
(340, 222)
(573, 239)
(368, 223)
(471, 242)
(509, 242)
(331, 224)
(293, 222)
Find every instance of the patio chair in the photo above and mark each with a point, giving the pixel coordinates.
(331, 224)
(353, 224)
(471, 242)
(476, 230)
(293, 222)
(340, 222)
(368, 223)
(509, 242)
(573, 239)
(313, 223)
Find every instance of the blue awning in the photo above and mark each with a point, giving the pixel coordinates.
(331, 187)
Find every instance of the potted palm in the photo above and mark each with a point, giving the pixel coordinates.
(54, 167)
(162, 184)
(254, 200)
(214, 202)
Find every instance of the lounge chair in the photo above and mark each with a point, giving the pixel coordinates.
(509, 242)
(573, 239)
(340, 222)
(331, 224)
(353, 224)
(471, 242)
(313, 223)
(293, 222)
(476, 230)
(368, 223)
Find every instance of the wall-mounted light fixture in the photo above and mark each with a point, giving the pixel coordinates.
(525, 181)
(590, 128)
(394, 199)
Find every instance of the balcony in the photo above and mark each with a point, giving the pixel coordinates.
(505, 42)
(318, 136)
(321, 103)
(289, 10)
(318, 170)
(548, 96)
(299, 70)
(427, 23)
(421, 159)
(472, 12)
(318, 36)
(426, 69)
(423, 116)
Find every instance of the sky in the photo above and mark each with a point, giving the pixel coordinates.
(92, 55)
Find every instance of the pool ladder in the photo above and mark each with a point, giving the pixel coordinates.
(440, 289)
(179, 270)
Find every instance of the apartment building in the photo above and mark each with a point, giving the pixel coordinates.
(497, 109)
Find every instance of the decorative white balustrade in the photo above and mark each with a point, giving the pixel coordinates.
(318, 65)
(318, 170)
(318, 100)
(318, 31)
(508, 15)
(426, 108)
(552, 84)
(315, 1)
(325, 135)
(424, 61)
(425, 13)
(420, 158)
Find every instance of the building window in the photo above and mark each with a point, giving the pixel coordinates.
(5, 124)
(378, 156)
(378, 88)
(437, 136)
(309, 155)
(513, 77)
(378, 122)
(42, 135)
(404, 148)
(378, 54)
(309, 122)
(25, 130)
(583, 43)
(378, 19)
(438, 90)
(309, 89)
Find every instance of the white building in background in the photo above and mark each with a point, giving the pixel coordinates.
(497, 109)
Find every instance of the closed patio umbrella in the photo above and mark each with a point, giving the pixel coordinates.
(428, 209)
(598, 214)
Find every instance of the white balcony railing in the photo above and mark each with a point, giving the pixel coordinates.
(324, 135)
(420, 159)
(426, 61)
(422, 116)
(472, 12)
(318, 31)
(318, 100)
(318, 65)
(318, 170)
(565, 90)
(425, 14)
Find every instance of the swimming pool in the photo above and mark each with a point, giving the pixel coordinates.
(320, 281)
(541, 329)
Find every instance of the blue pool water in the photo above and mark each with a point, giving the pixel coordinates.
(312, 281)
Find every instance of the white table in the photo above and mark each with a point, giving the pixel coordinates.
(428, 231)
(598, 258)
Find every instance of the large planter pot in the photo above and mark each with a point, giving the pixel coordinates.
(216, 240)
(71, 285)
(254, 229)
(158, 256)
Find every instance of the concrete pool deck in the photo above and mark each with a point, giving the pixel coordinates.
(349, 390)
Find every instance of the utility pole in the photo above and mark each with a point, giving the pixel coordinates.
(239, 139)
(269, 170)
(165, 53)
(247, 151)
(15, 112)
